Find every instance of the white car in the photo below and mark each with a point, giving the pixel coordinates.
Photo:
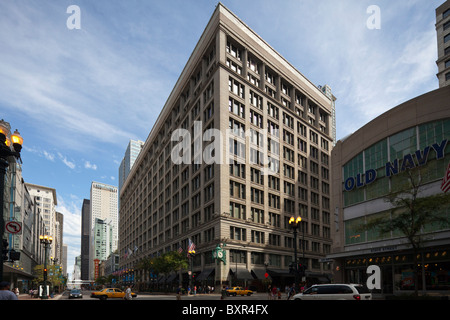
(335, 292)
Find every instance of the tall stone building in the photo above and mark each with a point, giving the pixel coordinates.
(236, 186)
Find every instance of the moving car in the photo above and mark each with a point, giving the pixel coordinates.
(335, 292)
(75, 293)
(238, 291)
(113, 293)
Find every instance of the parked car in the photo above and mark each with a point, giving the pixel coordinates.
(239, 291)
(335, 292)
(75, 293)
(113, 293)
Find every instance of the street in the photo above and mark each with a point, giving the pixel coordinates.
(172, 296)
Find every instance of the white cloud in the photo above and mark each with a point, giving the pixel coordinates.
(68, 163)
(88, 165)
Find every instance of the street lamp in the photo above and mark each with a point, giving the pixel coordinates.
(46, 241)
(6, 151)
(191, 265)
(295, 223)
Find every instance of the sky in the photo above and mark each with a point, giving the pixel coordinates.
(78, 95)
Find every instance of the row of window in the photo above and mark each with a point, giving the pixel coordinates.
(273, 239)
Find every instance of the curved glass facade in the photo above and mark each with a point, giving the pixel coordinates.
(400, 149)
(413, 148)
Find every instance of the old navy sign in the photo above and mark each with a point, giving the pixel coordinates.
(394, 167)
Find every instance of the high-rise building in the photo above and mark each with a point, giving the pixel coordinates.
(103, 205)
(276, 134)
(132, 152)
(45, 202)
(85, 236)
(103, 238)
(443, 43)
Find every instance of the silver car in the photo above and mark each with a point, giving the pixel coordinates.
(335, 292)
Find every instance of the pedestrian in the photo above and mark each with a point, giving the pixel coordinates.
(195, 290)
(274, 292)
(291, 292)
(31, 293)
(269, 292)
(128, 293)
(16, 291)
(5, 292)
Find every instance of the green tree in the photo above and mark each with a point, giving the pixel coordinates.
(412, 213)
(53, 275)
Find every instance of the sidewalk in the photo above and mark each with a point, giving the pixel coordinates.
(24, 296)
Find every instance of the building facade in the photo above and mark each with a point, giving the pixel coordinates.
(85, 239)
(103, 206)
(276, 129)
(133, 149)
(443, 43)
(374, 162)
(45, 202)
(20, 206)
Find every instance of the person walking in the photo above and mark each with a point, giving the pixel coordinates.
(128, 293)
(6, 293)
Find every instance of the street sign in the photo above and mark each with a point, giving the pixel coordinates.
(13, 227)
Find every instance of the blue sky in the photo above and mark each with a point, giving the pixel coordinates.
(78, 96)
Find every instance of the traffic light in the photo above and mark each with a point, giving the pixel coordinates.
(5, 245)
(45, 273)
(14, 255)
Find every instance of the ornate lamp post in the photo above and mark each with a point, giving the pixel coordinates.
(10, 146)
(191, 266)
(46, 241)
(295, 223)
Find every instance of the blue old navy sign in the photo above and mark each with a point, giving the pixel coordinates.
(394, 167)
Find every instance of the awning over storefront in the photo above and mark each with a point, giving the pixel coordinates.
(279, 273)
(205, 274)
(242, 274)
(260, 274)
(172, 277)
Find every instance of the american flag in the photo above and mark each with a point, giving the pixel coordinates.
(445, 186)
(191, 245)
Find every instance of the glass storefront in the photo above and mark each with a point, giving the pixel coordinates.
(397, 272)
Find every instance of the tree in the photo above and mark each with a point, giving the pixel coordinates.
(53, 275)
(164, 264)
(411, 213)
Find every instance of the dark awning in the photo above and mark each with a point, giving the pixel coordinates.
(279, 272)
(260, 274)
(242, 273)
(205, 274)
(171, 277)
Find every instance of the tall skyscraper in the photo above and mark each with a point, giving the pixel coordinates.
(103, 206)
(443, 43)
(85, 236)
(45, 200)
(273, 163)
(132, 152)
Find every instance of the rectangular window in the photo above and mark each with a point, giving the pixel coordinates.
(446, 13)
(447, 63)
(447, 38)
(236, 87)
(446, 25)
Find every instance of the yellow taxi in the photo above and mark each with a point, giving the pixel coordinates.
(112, 293)
(239, 291)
